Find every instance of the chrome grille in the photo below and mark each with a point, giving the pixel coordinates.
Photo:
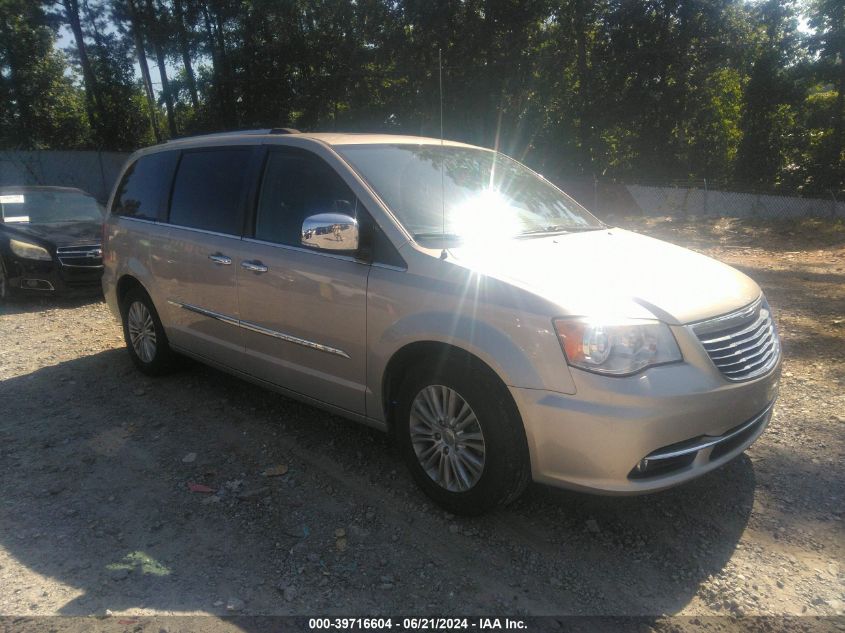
(82, 256)
(743, 344)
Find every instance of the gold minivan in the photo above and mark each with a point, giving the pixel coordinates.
(449, 295)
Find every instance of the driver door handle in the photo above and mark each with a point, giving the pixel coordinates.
(255, 266)
(219, 258)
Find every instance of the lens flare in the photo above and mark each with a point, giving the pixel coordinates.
(485, 217)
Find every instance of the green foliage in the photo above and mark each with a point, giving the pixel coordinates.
(827, 151)
(40, 106)
(654, 90)
(120, 122)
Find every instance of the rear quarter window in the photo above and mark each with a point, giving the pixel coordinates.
(144, 187)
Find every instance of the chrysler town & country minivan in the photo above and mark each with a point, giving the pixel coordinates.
(449, 295)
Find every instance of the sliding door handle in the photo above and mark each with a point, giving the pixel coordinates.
(255, 266)
(219, 258)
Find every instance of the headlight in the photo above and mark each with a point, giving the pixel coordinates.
(30, 251)
(616, 348)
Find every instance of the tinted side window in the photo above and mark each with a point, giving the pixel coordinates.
(208, 190)
(297, 184)
(144, 186)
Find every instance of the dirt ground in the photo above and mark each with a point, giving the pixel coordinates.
(96, 516)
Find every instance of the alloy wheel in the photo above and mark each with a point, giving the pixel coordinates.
(447, 438)
(142, 333)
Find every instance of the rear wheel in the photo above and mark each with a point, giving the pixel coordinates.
(144, 335)
(462, 438)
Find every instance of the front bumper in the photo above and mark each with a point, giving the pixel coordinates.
(596, 439)
(50, 278)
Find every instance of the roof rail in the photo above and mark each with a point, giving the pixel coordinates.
(256, 132)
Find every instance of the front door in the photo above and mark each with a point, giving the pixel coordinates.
(303, 311)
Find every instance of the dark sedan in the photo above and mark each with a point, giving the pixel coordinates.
(50, 241)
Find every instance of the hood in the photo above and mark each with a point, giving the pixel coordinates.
(58, 234)
(615, 272)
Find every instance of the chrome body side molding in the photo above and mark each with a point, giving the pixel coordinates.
(252, 327)
(204, 312)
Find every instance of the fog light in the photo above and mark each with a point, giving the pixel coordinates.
(36, 284)
(642, 466)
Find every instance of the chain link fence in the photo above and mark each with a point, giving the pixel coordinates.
(95, 172)
(91, 171)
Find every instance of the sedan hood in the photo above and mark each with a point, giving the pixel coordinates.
(614, 272)
(58, 234)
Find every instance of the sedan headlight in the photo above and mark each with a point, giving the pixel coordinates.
(30, 251)
(616, 348)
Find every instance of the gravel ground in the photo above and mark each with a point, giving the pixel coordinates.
(96, 514)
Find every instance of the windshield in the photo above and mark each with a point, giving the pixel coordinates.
(479, 193)
(49, 207)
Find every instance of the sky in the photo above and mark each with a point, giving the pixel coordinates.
(65, 40)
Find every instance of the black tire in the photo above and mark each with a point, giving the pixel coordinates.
(162, 360)
(5, 289)
(506, 470)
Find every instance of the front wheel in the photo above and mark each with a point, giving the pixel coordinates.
(144, 334)
(462, 438)
(4, 284)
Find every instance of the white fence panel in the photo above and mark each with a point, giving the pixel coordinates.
(689, 201)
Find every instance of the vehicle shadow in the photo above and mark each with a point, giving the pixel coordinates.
(95, 462)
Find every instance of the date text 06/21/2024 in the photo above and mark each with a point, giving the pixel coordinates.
(416, 624)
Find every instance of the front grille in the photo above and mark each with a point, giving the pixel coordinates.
(82, 256)
(743, 344)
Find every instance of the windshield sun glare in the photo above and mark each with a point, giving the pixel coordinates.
(468, 192)
(49, 207)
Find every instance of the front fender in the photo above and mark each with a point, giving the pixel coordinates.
(515, 340)
(478, 338)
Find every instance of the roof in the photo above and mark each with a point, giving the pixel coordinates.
(333, 138)
(329, 138)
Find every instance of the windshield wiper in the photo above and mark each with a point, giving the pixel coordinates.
(561, 228)
(439, 240)
(433, 236)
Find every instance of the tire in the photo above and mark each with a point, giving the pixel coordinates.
(501, 448)
(5, 288)
(144, 335)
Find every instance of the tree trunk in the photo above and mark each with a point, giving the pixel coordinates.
(215, 63)
(229, 102)
(585, 125)
(16, 93)
(162, 69)
(839, 122)
(93, 104)
(145, 68)
(186, 52)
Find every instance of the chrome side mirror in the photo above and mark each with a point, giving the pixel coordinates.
(330, 232)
